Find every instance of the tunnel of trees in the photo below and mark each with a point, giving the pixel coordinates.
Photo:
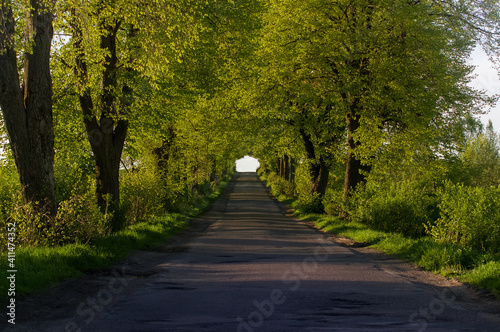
(114, 111)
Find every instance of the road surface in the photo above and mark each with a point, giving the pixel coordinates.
(255, 269)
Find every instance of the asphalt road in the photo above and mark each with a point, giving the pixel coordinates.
(255, 269)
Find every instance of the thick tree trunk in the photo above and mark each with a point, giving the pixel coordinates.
(318, 170)
(287, 168)
(106, 135)
(28, 112)
(354, 169)
(107, 143)
(320, 177)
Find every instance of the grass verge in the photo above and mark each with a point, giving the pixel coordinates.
(467, 265)
(470, 266)
(39, 268)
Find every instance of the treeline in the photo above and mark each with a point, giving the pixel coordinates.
(112, 112)
(369, 115)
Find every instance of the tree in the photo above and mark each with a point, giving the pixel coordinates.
(27, 108)
(390, 70)
(190, 120)
(480, 161)
(118, 48)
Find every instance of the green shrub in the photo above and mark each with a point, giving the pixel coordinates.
(10, 191)
(280, 186)
(470, 217)
(333, 202)
(404, 207)
(309, 203)
(78, 220)
(283, 187)
(141, 195)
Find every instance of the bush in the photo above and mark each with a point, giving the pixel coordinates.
(280, 186)
(10, 191)
(307, 201)
(310, 203)
(403, 207)
(141, 195)
(470, 217)
(78, 220)
(333, 202)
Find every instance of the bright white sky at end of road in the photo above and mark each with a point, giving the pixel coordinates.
(487, 79)
(247, 164)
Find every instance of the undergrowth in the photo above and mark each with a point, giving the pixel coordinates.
(41, 265)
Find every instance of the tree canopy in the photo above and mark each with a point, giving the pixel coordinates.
(184, 88)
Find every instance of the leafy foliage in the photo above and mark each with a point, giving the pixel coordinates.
(402, 207)
(470, 217)
(328, 95)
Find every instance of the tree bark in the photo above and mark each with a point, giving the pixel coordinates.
(27, 111)
(318, 170)
(106, 134)
(354, 169)
(320, 177)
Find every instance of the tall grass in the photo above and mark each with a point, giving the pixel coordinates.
(40, 267)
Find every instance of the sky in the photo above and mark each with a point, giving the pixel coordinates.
(487, 79)
(247, 164)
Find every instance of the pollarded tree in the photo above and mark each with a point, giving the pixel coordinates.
(27, 107)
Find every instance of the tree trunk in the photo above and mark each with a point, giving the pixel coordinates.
(107, 143)
(318, 170)
(28, 112)
(286, 164)
(354, 169)
(162, 153)
(106, 135)
(292, 170)
(320, 177)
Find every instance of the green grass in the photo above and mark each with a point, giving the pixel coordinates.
(41, 267)
(467, 265)
(486, 275)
